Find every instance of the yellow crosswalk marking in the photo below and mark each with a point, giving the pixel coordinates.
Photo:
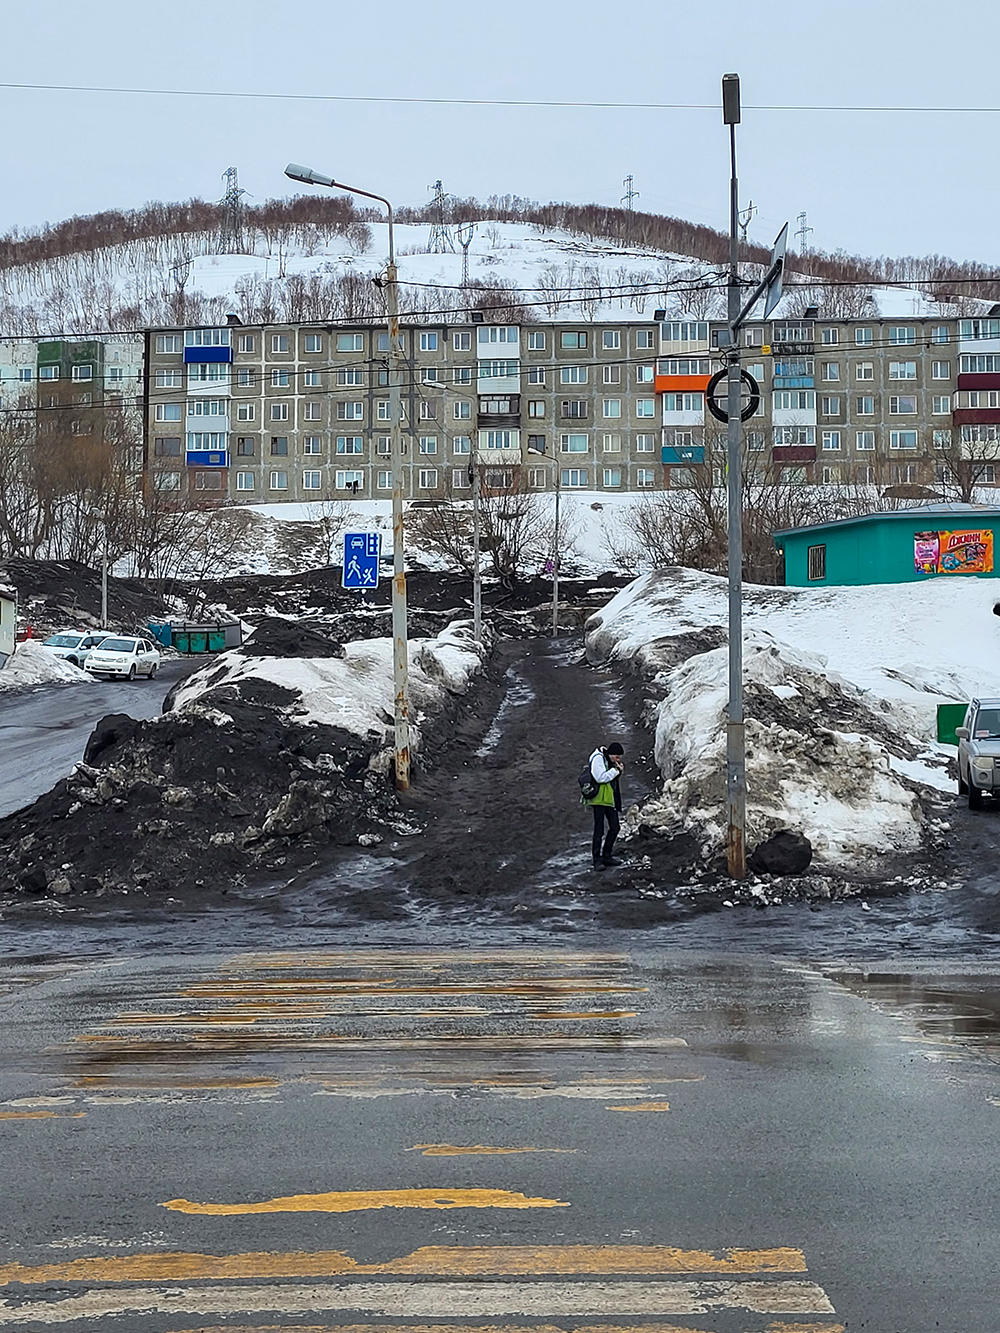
(355, 1201)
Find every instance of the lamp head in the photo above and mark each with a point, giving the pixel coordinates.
(307, 176)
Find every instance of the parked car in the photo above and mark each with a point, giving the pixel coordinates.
(125, 657)
(979, 751)
(73, 644)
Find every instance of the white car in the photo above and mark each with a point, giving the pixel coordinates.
(125, 657)
(73, 645)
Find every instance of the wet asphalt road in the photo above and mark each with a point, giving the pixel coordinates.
(43, 731)
(523, 1138)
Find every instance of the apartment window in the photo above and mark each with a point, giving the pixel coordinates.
(168, 379)
(84, 399)
(612, 476)
(312, 444)
(644, 444)
(830, 406)
(646, 407)
(312, 411)
(428, 444)
(462, 342)
(428, 342)
(278, 481)
(536, 478)
(463, 411)
(611, 340)
(536, 341)
(905, 473)
(279, 411)
(816, 559)
(279, 379)
(279, 444)
(573, 477)
(355, 342)
(165, 411)
(830, 476)
(864, 370)
(462, 444)
(24, 375)
(350, 444)
(570, 338)
(644, 339)
(940, 370)
(536, 444)
(383, 481)
(428, 409)
(942, 439)
(863, 337)
(865, 440)
(246, 377)
(279, 342)
(382, 409)
(311, 481)
(644, 477)
(351, 411)
(902, 439)
(169, 342)
(573, 444)
(902, 336)
(115, 374)
(644, 374)
(830, 337)
(498, 333)
(207, 440)
(497, 480)
(498, 439)
(244, 481)
(247, 343)
(429, 374)
(902, 405)
(783, 435)
(497, 370)
(167, 481)
(941, 404)
(463, 375)
(684, 331)
(940, 334)
(831, 439)
(460, 478)
(313, 342)
(383, 444)
(573, 375)
(942, 473)
(902, 370)
(167, 447)
(865, 407)
(611, 444)
(208, 372)
(611, 374)
(611, 407)
(427, 478)
(830, 370)
(979, 328)
(536, 375)
(381, 343)
(245, 411)
(245, 446)
(755, 440)
(693, 365)
(794, 400)
(989, 475)
(311, 379)
(536, 407)
(573, 408)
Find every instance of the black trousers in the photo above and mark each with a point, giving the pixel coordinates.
(602, 813)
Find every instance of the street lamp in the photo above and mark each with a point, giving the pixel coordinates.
(400, 662)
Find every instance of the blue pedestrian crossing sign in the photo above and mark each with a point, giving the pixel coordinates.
(361, 557)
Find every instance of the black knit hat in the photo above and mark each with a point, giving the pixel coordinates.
(615, 748)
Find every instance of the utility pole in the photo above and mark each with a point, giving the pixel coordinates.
(802, 232)
(400, 648)
(555, 563)
(231, 235)
(440, 237)
(104, 574)
(628, 199)
(746, 217)
(477, 577)
(464, 235)
(736, 777)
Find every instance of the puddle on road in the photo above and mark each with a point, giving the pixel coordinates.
(948, 1012)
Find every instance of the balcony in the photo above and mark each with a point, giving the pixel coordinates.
(976, 416)
(680, 383)
(501, 413)
(973, 381)
(783, 454)
(793, 382)
(793, 349)
(207, 458)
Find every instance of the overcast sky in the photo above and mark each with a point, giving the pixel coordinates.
(873, 183)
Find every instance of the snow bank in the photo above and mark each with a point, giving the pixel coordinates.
(355, 691)
(31, 664)
(842, 688)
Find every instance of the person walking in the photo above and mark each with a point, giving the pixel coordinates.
(606, 766)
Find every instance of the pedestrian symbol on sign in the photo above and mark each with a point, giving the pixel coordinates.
(361, 557)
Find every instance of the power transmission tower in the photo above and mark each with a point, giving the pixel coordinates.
(231, 234)
(464, 235)
(628, 199)
(440, 239)
(746, 216)
(802, 233)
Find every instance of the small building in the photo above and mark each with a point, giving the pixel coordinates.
(8, 622)
(897, 546)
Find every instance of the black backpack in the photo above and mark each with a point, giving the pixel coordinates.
(589, 787)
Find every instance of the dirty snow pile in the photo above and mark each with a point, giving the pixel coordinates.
(842, 687)
(354, 690)
(31, 664)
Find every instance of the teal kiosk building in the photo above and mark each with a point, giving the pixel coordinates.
(896, 546)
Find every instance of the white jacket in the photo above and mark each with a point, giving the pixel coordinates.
(601, 771)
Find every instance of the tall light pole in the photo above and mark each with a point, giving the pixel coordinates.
(477, 574)
(400, 659)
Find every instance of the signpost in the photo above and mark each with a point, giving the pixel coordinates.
(362, 551)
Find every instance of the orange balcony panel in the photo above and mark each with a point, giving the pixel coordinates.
(681, 383)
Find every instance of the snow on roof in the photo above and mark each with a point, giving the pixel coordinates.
(956, 509)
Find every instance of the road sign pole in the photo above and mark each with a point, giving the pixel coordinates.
(736, 781)
(400, 649)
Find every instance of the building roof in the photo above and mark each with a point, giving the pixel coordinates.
(956, 510)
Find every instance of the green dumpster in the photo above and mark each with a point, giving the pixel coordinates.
(198, 640)
(216, 640)
(949, 716)
(182, 641)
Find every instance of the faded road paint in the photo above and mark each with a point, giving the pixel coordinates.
(774, 1327)
(449, 1300)
(643, 1106)
(428, 1261)
(476, 1150)
(354, 1201)
(41, 1115)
